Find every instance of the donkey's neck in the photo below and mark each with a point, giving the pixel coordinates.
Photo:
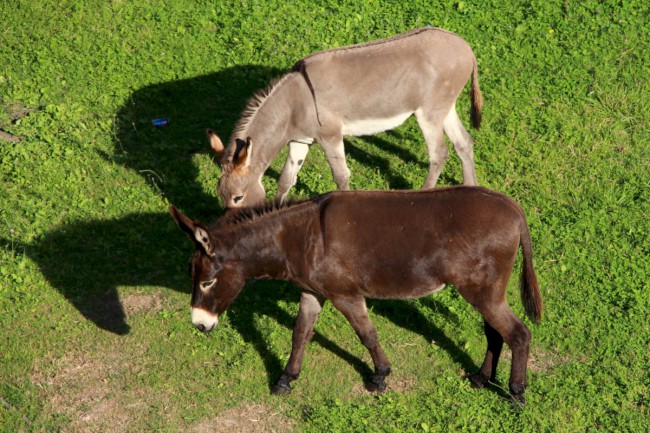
(260, 244)
(268, 138)
(267, 119)
(258, 252)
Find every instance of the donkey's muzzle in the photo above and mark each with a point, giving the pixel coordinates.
(203, 320)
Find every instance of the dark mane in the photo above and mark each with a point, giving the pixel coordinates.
(254, 103)
(238, 216)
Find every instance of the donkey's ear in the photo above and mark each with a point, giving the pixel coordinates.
(215, 142)
(194, 230)
(242, 157)
(202, 237)
(183, 222)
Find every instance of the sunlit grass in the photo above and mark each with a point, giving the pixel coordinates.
(93, 285)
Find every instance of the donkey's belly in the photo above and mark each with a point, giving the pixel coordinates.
(401, 291)
(420, 291)
(373, 126)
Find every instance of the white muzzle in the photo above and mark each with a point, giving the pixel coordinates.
(203, 320)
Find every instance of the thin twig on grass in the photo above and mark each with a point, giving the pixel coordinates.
(9, 137)
(10, 407)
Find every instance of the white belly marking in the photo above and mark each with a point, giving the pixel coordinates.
(439, 288)
(373, 126)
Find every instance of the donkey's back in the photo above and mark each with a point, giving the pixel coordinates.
(405, 244)
(389, 79)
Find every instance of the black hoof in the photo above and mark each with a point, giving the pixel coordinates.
(517, 395)
(281, 388)
(478, 381)
(376, 384)
(518, 400)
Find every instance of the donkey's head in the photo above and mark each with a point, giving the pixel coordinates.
(238, 186)
(216, 281)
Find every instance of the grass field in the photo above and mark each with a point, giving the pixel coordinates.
(94, 291)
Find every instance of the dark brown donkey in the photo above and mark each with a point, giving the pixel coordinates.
(346, 246)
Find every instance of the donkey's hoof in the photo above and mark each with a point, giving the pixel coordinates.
(518, 400)
(376, 384)
(281, 388)
(478, 381)
(517, 395)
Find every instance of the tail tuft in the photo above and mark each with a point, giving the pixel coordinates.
(530, 293)
(476, 99)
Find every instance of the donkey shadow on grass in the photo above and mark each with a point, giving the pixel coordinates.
(395, 180)
(163, 156)
(87, 261)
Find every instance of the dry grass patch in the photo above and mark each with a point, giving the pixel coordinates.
(248, 418)
(543, 362)
(395, 383)
(142, 303)
(539, 361)
(89, 388)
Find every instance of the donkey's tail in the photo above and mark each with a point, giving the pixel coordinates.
(530, 294)
(476, 98)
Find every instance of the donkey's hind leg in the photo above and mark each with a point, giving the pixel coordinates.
(335, 153)
(310, 308)
(514, 332)
(431, 126)
(297, 152)
(354, 309)
(462, 144)
(488, 370)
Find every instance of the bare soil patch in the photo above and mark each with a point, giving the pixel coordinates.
(88, 388)
(13, 112)
(141, 303)
(543, 362)
(246, 418)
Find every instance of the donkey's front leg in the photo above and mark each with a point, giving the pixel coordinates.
(297, 152)
(310, 307)
(354, 309)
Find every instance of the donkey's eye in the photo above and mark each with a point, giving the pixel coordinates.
(237, 199)
(206, 285)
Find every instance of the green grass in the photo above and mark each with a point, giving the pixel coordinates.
(94, 293)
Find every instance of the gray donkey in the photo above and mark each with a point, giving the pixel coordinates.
(358, 90)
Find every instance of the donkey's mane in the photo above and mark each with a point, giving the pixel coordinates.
(256, 102)
(242, 215)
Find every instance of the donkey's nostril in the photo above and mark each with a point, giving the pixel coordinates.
(203, 320)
